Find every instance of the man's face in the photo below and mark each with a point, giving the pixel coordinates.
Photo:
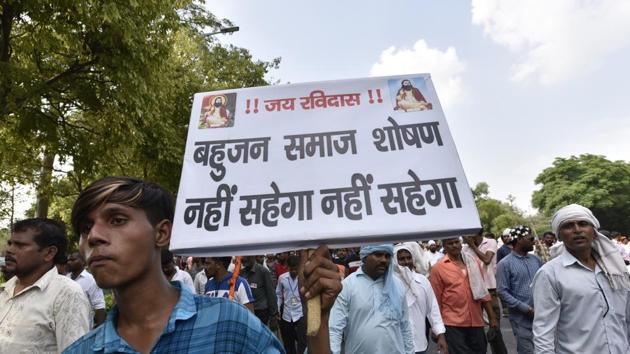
(404, 259)
(527, 243)
(453, 247)
(168, 268)
(477, 239)
(119, 244)
(282, 256)
(406, 84)
(23, 255)
(433, 247)
(218, 102)
(249, 261)
(293, 272)
(549, 240)
(342, 253)
(210, 266)
(577, 235)
(375, 264)
(75, 263)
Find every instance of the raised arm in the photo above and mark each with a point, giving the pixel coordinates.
(319, 276)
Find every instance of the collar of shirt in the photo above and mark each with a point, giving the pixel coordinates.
(225, 278)
(519, 256)
(81, 275)
(41, 283)
(254, 269)
(111, 342)
(568, 259)
(447, 259)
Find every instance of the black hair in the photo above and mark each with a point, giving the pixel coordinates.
(293, 261)
(224, 261)
(167, 256)
(154, 200)
(48, 232)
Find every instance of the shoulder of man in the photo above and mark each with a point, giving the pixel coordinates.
(234, 325)
(548, 270)
(283, 276)
(86, 342)
(60, 284)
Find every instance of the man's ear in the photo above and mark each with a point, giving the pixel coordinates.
(50, 252)
(163, 233)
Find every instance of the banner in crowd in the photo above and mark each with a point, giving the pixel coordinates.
(341, 163)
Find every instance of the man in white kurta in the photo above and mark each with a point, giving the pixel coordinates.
(421, 300)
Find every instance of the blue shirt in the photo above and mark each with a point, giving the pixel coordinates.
(502, 252)
(577, 311)
(242, 292)
(198, 324)
(356, 321)
(515, 274)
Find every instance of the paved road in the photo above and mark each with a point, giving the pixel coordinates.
(506, 331)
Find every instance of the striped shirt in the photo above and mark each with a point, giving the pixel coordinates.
(198, 324)
(515, 274)
(242, 292)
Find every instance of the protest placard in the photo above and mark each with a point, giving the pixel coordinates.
(338, 163)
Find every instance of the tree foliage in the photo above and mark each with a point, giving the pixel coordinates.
(592, 181)
(106, 88)
(494, 214)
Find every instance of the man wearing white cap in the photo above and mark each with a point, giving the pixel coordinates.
(506, 248)
(434, 254)
(581, 297)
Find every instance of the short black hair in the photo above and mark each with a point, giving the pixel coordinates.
(549, 233)
(167, 256)
(224, 261)
(293, 261)
(48, 232)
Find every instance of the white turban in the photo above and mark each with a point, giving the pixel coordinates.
(572, 212)
(606, 253)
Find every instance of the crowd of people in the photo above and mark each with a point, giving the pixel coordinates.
(566, 292)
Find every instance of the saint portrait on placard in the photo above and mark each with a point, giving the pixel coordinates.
(408, 95)
(217, 111)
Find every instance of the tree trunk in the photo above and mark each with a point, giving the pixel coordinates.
(12, 207)
(44, 187)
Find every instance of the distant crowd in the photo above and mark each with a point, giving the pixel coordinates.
(568, 296)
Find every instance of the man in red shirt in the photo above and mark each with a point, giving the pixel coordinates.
(460, 291)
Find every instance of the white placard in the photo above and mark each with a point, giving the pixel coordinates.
(340, 163)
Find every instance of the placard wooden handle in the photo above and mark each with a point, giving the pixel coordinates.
(314, 311)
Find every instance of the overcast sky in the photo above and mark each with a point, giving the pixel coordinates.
(521, 82)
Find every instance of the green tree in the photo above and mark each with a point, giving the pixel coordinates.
(494, 214)
(106, 87)
(592, 181)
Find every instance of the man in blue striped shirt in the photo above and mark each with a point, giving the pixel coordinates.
(123, 224)
(515, 273)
